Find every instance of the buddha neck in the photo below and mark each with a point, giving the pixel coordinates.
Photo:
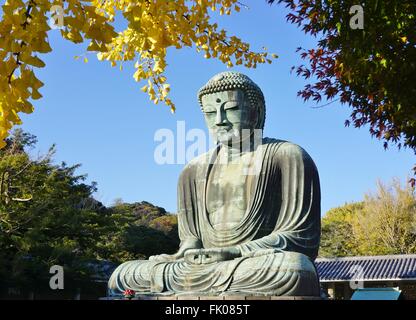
(234, 150)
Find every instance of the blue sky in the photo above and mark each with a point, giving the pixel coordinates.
(98, 117)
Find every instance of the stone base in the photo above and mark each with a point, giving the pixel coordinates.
(237, 298)
(223, 297)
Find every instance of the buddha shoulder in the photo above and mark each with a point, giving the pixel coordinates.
(196, 165)
(285, 150)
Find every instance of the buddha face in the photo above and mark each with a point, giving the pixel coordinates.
(227, 113)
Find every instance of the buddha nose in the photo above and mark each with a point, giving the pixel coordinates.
(220, 119)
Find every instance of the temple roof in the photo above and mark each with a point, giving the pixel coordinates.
(367, 268)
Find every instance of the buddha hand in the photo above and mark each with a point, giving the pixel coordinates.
(164, 257)
(186, 246)
(212, 255)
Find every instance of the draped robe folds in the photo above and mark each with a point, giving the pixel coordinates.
(278, 236)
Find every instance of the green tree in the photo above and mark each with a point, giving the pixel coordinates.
(46, 216)
(372, 70)
(387, 222)
(141, 229)
(383, 223)
(337, 235)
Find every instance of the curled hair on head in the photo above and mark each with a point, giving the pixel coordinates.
(231, 80)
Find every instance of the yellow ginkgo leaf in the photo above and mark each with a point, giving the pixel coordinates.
(36, 95)
(33, 61)
(152, 28)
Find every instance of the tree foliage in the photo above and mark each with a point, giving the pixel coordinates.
(142, 230)
(387, 223)
(373, 70)
(48, 216)
(151, 28)
(383, 223)
(44, 215)
(336, 239)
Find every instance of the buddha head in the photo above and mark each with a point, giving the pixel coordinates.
(233, 105)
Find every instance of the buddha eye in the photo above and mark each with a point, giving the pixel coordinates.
(231, 106)
(209, 109)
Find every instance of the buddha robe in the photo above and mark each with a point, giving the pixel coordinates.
(278, 236)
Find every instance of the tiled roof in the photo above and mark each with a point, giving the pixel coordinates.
(392, 267)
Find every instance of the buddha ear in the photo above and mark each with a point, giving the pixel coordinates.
(255, 113)
(260, 110)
